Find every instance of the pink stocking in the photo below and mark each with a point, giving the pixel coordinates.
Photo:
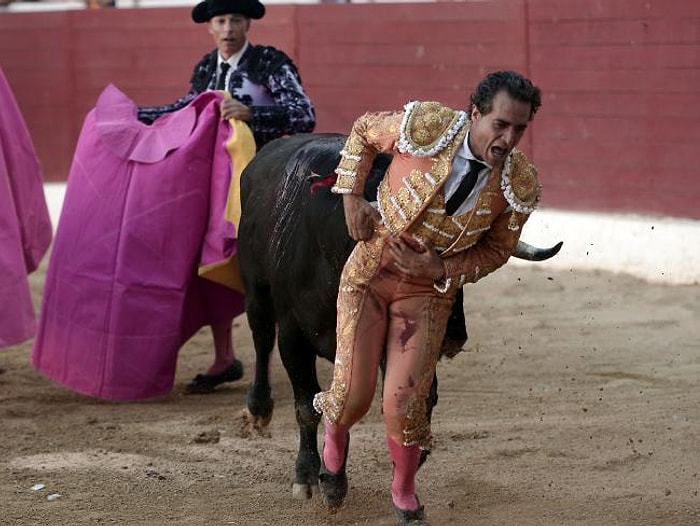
(335, 440)
(223, 348)
(403, 485)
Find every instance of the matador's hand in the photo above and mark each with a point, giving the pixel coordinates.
(416, 258)
(360, 217)
(233, 109)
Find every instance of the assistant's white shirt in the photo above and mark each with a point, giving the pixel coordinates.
(232, 61)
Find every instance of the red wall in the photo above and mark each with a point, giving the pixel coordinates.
(621, 78)
(621, 116)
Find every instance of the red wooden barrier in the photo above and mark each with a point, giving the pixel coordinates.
(616, 132)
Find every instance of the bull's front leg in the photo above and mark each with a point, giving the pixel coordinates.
(308, 461)
(299, 359)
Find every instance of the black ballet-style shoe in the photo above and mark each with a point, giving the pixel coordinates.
(334, 486)
(206, 383)
(411, 517)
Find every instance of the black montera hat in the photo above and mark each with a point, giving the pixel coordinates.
(204, 11)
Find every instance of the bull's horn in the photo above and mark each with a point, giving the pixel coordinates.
(531, 253)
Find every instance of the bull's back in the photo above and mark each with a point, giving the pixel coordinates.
(281, 207)
(292, 238)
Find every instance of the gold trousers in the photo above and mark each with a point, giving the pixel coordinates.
(380, 309)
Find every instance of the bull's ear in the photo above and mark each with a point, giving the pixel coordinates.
(532, 253)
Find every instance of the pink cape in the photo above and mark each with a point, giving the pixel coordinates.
(25, 226)
(142, 205)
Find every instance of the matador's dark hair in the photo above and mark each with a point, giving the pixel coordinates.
(517, 86)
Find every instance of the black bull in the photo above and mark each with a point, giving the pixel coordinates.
(293, 244)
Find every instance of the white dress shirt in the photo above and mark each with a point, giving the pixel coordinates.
(460, 164)
(232, 61)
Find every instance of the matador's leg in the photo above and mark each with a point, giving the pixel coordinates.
(413, 346)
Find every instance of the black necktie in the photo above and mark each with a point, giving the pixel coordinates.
(464, 188)
(221, 81)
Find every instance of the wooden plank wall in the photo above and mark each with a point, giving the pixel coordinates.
(621, 116)
(621, 78)
(380, 56)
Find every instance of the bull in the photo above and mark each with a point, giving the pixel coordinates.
(292, 246)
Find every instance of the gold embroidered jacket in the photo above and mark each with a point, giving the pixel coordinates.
(423, 139)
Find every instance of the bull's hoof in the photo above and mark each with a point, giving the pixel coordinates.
(302, 491)
(253, 426)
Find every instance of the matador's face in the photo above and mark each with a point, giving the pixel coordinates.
(229, 32)
(493, 135)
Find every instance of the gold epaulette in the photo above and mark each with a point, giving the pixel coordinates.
(521, 185)
(427, 127)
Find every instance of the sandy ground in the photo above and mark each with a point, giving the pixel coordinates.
(576, 403)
